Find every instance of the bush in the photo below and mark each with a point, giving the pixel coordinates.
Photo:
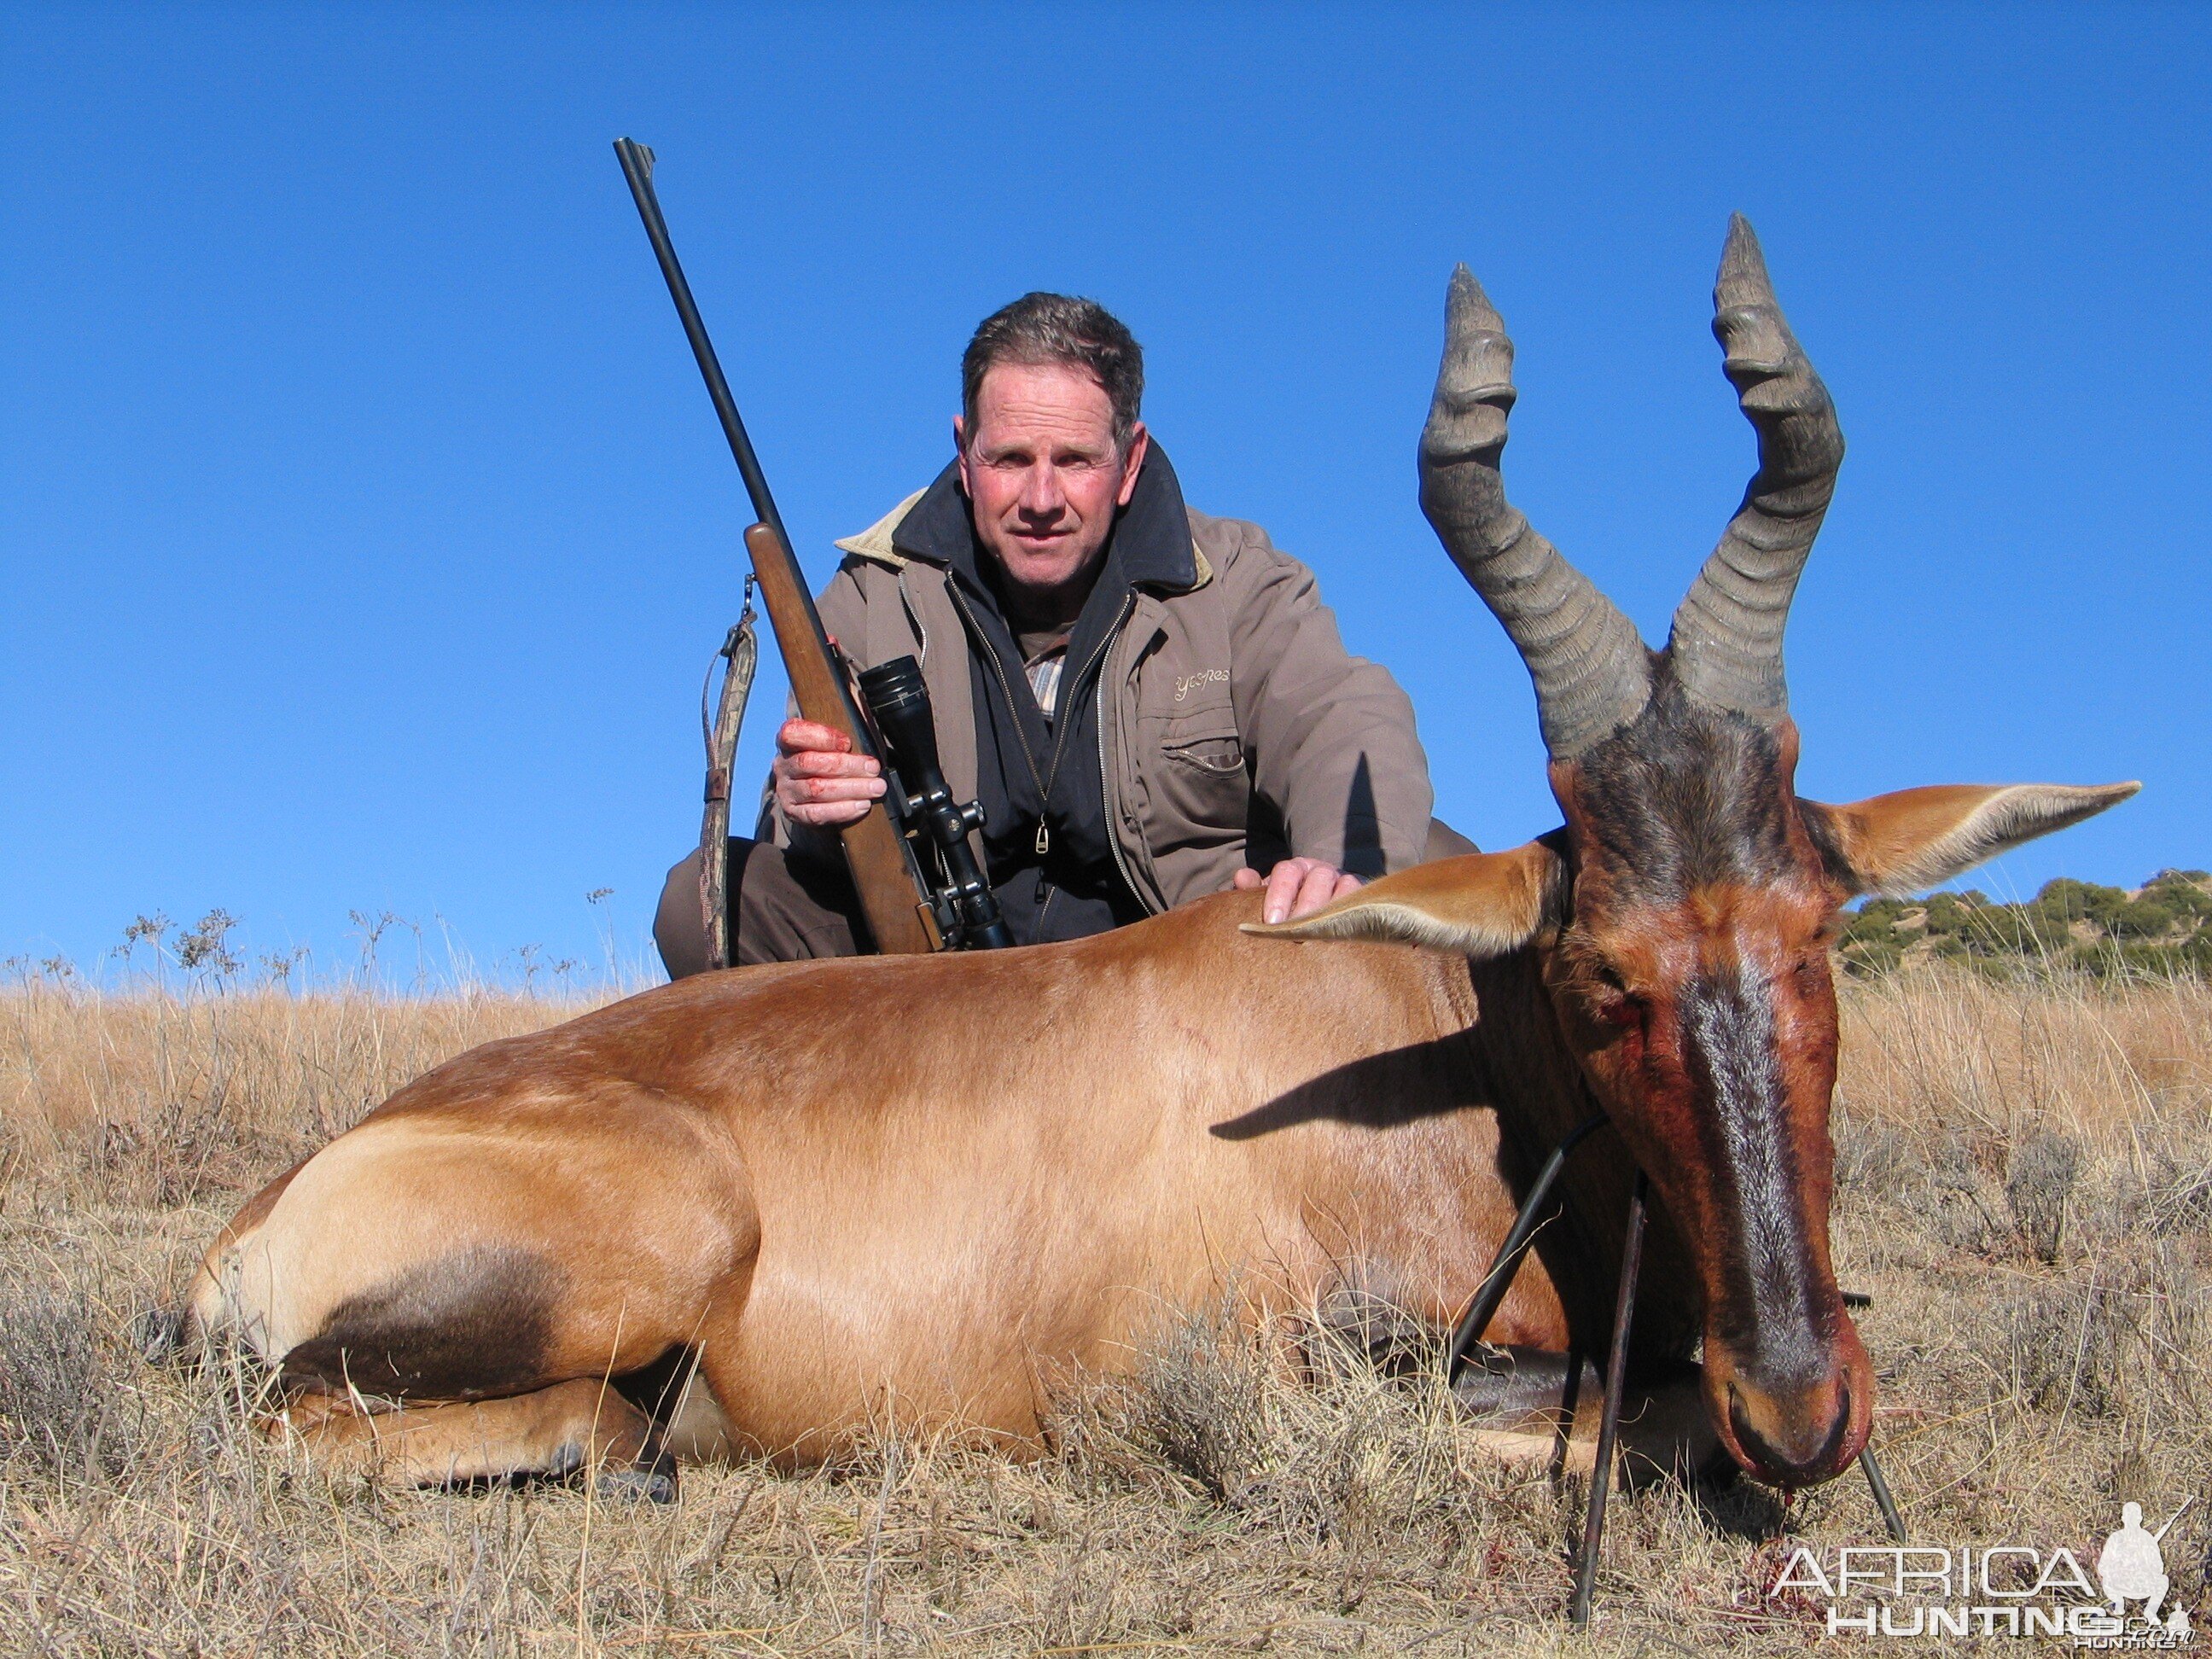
(2038, 1185)
(2164, 929)
(61, 1404)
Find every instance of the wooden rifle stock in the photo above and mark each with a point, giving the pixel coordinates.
(893, 896)
(881, 866)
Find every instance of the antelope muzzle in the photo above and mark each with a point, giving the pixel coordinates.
(1786, 1379)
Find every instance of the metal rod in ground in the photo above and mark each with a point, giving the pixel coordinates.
(1507, 1262)
(1608, 1423)
(1883, 1500)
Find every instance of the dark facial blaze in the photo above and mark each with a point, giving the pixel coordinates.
(1693, 980)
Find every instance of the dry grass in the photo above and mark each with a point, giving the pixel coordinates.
(2026, 1188)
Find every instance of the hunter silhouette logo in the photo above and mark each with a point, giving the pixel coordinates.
(2002, 1589)
(2132, 1568)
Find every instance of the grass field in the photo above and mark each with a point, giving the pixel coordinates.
(2026, 1188)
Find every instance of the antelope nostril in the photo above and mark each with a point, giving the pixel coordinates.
(1809, 1456)
(1747, 1438)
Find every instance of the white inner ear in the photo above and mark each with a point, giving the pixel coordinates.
(1400, 922)
(2011, 816)
(1386, 922)
(1476, 904)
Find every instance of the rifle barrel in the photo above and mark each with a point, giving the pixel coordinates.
(637, 167)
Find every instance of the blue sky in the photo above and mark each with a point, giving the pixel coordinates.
(364, 529)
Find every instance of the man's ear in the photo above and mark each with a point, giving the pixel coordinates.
(1132, 461)
(1907, 842)
(1479, 904)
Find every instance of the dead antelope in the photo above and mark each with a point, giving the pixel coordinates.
(934, 1187)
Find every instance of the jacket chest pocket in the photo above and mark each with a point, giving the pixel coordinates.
(1199, 785)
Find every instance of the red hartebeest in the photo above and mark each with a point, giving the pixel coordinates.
(932, 1186)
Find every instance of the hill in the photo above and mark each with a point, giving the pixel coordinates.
(2164, 926)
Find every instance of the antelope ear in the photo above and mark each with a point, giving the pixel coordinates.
(1901, 843)
(1479, 904)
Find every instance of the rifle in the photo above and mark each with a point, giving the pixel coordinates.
(884, 873)
(907, 911)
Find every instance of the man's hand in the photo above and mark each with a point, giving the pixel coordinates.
(820, 781)
(1295, 887)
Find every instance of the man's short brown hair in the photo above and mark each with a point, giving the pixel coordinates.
(1057, 328)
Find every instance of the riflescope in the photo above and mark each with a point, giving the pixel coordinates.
(966, 909)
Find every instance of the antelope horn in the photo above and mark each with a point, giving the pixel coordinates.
(1592, 672)
(1726, 644)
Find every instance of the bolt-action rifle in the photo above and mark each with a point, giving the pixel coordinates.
(910, 910)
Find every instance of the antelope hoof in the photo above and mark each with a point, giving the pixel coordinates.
(653, 1483)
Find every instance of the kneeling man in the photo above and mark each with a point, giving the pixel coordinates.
(1151, 704)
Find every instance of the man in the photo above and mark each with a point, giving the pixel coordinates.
(1150, 703)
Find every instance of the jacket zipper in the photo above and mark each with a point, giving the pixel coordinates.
(1059, 731)
(914, 616)
(1005, 690)
(1106, 794)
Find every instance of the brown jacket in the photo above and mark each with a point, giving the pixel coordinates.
(1234, 727)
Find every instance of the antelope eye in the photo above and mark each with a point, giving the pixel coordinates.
(1622, 1010)
(1614, 1003)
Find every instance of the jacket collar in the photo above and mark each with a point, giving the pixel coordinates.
(1152, 541)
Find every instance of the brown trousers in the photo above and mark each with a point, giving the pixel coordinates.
(786, 909)
(782, 909)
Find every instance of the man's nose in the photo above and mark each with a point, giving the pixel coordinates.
(1041, 496)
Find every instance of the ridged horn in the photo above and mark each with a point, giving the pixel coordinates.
(1726, 643)
(1592, 672)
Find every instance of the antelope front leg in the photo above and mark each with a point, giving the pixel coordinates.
(552, 1431)
(1535, 1406)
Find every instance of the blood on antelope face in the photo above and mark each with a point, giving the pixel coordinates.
(1683, 931)
(1692, 979)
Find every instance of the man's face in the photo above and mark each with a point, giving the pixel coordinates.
(1044, 476)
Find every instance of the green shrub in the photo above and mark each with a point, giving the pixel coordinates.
(2164, 928)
